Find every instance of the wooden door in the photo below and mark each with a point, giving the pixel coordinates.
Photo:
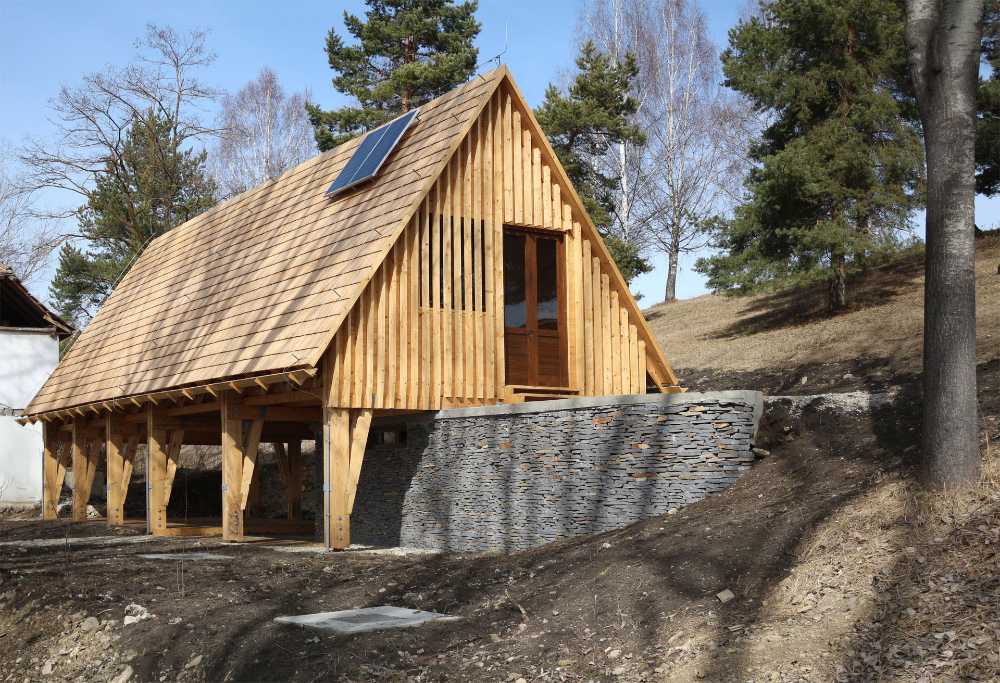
(534, 318)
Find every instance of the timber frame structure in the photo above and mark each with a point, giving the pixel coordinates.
(467, 272)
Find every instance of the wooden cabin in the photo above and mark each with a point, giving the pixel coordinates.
(449, 264)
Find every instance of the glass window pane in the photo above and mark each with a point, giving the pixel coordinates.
(548, 284)
(515, 312)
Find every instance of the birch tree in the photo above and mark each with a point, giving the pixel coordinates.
(673, 189)
(616, 28)
(264, 132)
(943, 37)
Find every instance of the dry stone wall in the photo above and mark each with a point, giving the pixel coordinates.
(510, 477)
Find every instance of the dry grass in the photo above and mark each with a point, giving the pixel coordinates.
(793, 329)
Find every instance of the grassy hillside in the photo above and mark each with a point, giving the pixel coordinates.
(773, 341)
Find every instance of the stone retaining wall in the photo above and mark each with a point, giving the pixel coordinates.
(511, 477)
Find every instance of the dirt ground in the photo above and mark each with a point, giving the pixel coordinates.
(839, 567)
(839, 571)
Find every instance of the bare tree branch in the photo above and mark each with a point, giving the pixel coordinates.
(24, 245)
(92, 119)
(265, 132)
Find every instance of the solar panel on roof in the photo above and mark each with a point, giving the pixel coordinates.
(372, 153)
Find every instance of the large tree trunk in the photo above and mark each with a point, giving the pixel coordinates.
(943, 39)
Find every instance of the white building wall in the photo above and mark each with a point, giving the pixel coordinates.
(27, 357)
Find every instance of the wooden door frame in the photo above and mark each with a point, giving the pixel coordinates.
(531, 296)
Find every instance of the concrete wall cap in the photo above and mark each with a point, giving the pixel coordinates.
(745, 397)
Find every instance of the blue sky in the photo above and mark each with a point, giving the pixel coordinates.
(43, 47)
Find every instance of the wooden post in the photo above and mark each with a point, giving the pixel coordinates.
(336, 473)
(53, 471)
(345, 433)
(232, 467)
(294, 480)
(84, 458)
(156, 473)
(115, 441)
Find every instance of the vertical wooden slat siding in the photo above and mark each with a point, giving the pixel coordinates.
(633, 356)
(427, 375)
(428, 330)
(476, 218)
(588, 321)
(384, 360)
(626, 384)
(489, 324)
(609, 359)
(457, 290)
(416, 381)
(642, 366)
(600, 383)
(527, 179)
(518, 167)
(616, 343)
(447, 272)
(546, 197)
(507, 140)
(501, 143)
(537, 212)
(468, 273)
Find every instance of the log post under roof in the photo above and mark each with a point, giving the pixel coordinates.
(53, 471)
(115, 450)
(156, 472)
(345, 434)
(232, 467)
(84, 459)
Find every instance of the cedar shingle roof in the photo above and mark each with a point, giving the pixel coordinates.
(260, 283)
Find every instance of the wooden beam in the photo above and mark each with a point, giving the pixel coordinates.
(336, 474)
(232, 467)
(361, 422)
(131, 448)
(84, 460)
(281, 413)
(53, 471)
(250, 447)
(115, 465)
(176, 440)
(157, 446)
(277, 397)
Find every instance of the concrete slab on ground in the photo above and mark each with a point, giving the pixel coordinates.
(302, 547)
(364, 619)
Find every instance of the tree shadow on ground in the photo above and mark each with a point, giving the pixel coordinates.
(541, 597)
(805, 304)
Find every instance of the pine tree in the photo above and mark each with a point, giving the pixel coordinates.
(988, 106)
(408, 52)
(151, 188)
(582, 125)
(839, 169)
